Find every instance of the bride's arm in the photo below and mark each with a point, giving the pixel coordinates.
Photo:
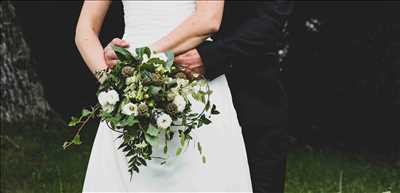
(205, 21)
(87, 34)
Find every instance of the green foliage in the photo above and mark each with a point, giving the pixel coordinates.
(135, 100)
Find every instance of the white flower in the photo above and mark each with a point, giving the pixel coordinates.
(114, 97)
(103, 98)
(182, 82)
(164, 121)
(162, 56)
(108, 99)
(108, 108)
(180, 102)
(130, 109)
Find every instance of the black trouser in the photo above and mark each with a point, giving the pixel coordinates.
(262, 109)
(266, 153)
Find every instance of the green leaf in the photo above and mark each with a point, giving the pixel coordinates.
(152, 130)
(141, 145)
(182, 139)
(204, 159)
(199, 148)
(196, 96)
(170, 61)
(148, 66)
(151, 139)
(142, 161)
(85, 112)
(130, 121)
(74, 121)
(123, 54)
(178, 151)
(165, 149)
(207, 106)
(205, 120)
(154, 90)
(134, 167)
(143, 50)
(76, 140)
(214, 110)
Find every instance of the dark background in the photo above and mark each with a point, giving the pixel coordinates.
(341, 68)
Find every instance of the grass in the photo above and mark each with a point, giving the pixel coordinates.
(329, 171)
(33, 161)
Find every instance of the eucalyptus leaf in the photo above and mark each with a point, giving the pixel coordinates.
(154, 90)
(170, 61)
(152, 130)
(152, 140)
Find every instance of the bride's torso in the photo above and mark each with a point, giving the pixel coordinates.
(148, 21)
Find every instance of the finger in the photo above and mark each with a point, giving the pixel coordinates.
(110, 55)
(179, 59)
(181, 64)
(112, 63)
(124, 44)
(120, 43)
(194, 65)
(116, 41)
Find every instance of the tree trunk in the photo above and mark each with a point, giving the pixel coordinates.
(22, 98)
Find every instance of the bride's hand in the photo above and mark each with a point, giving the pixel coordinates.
(109, 55)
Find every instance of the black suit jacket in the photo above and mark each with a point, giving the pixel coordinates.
(245, 50)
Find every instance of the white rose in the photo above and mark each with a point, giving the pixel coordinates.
(180, 102)
(108, 108)
(114, 97)
(162, 56)
(108, 99)
(164, 121)
(130, 109)
(103, 98)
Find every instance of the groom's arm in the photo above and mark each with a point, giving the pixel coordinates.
(257, 35)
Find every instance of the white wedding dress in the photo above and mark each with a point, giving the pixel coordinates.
(226, 168)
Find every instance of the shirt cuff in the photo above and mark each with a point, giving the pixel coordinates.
(213, 61)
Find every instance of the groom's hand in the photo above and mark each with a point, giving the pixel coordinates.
(109, 55)
(190, 62)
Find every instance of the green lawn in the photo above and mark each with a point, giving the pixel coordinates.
(327, 171)
(34, 162)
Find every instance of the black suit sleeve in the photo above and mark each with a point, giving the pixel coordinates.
(257, 35)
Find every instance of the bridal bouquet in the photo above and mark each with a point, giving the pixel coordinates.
(142, 98)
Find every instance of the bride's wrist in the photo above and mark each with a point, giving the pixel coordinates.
(100, 74)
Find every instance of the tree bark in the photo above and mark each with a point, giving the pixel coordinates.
(22, 97)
